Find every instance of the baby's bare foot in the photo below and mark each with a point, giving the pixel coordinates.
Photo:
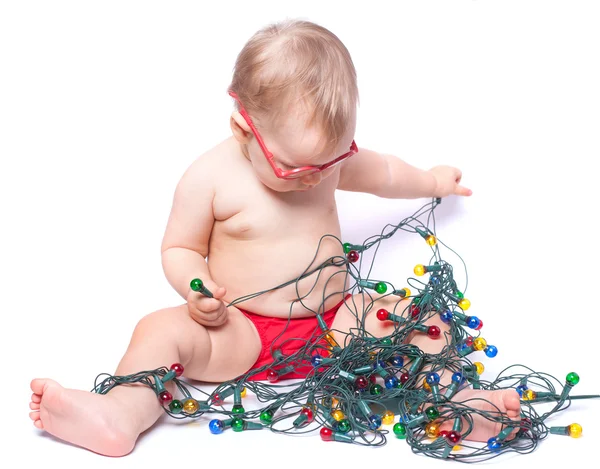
(502, 404)
(97, 422)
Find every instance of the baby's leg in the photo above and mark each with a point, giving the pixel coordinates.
(505, 401)
(110, 423)
(495, 403)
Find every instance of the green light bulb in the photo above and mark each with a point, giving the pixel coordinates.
(237, 424)
(343, 426)
(400, 430)
(572, 378)
(432, 413)
(238, 409)
(266, 416)
(176, 406)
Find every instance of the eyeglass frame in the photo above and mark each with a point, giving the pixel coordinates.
(289, 174)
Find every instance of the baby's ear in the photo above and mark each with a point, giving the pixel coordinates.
(240, 128)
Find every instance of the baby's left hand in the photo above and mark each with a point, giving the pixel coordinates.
(447, 181)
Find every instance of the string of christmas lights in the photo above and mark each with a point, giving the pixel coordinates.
(370, 388)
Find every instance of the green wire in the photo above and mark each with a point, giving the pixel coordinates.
(324, 384)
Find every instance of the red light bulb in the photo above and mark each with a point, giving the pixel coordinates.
(415, 311)
(177, 368)
(165, 397)
(272, 376)
(361, 382)
(404, 377)
(382, 314)
(326, 434)
(453, 437)
(480, 325)
(525, 424)
(309, 415)
(433, 332)
(352, 256)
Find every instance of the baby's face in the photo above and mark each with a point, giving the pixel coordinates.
(294, 144)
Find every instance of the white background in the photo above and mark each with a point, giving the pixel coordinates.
(103, 105)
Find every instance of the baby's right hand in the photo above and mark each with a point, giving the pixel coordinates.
(210, 312)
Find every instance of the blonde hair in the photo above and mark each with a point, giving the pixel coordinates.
(293, 62)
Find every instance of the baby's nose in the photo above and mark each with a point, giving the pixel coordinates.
(312, 179)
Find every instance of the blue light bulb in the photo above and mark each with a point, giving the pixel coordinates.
(374, 421)
(433, 378)
(458, 377)
(316, 360)
(473, 322)
(397, 361)
(494, 445)
(521, 388)
(491, 351)
(391, 382)
(446, 316)
(216, 426)
(378, 363)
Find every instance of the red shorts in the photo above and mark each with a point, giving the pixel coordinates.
(282, 331)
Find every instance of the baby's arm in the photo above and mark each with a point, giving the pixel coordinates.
(390, 177)
(185, 242)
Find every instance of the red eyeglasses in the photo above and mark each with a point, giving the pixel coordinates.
(290, 173)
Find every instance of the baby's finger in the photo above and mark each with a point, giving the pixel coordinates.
(208, 305)
(220, 318)
(219, 292)
(214, 319)
(462, 190)
(201, 316)
(215, 290)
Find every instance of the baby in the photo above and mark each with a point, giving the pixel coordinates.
(249, 215)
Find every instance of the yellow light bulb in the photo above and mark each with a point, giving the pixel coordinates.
(431, 240)
(329, 338)
(419, 269)
(338, 415)
(574, 430)
(456, 448)
(464, 304)
(190, 406)
(407, 292)
(479, 343)
(243, 392)
(426, 385)
(528, 395)
(334, 402)
(387, 418)
(479, 367)
(432, 429)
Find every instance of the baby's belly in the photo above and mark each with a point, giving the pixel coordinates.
(248, 267)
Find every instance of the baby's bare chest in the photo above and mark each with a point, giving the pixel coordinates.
(248, 213)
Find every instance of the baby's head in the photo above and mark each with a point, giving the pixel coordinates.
(296, 84)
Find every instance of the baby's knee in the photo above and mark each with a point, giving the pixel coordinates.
(168, 321)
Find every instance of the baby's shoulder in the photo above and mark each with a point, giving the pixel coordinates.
(210, 165)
